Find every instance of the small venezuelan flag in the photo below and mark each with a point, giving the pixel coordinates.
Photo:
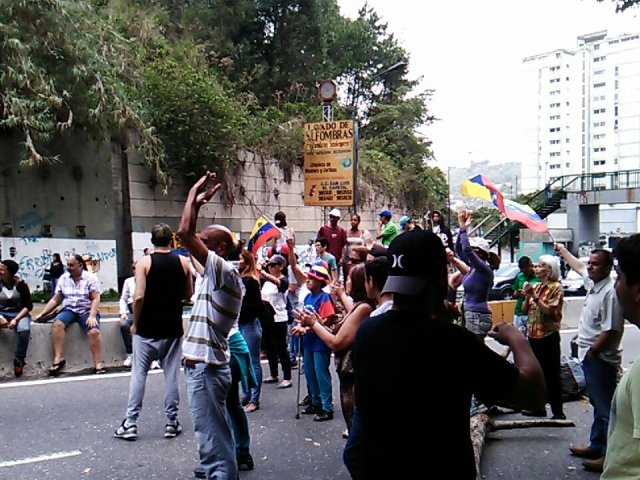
(481, 187)
(262, 231)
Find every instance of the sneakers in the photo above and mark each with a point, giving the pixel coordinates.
(323, 416)
(155, 365)
(172, 430)
(245, 462)
(126, 432)
(18, 368)
(128, 361)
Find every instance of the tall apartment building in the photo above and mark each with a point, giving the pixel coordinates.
(583, 115)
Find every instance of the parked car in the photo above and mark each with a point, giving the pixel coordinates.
(573, 285)
(502, 283)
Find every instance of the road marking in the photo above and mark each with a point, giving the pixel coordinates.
(40, 458)
(81, 378)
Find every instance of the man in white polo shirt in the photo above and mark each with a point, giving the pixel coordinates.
(599, 336)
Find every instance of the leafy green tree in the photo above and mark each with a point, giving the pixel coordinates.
(63, 68)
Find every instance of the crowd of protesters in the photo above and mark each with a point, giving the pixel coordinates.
(364, 293)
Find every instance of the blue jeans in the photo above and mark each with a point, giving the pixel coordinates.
(252, 333)
(295, 344)
(68, 317)
(600, 377)
(237, 415)
(207, 389)
(23, 330)
(520, 322)
(318, 376)
(352, 453)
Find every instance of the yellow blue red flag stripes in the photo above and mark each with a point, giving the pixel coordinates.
(262, 231)
(481, 187)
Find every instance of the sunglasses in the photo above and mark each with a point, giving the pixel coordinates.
(355, 260)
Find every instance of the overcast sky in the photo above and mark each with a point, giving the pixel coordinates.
(470, 52)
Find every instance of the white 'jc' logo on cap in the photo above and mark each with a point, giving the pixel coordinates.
(397, 261)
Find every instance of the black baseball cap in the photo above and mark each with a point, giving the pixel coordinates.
(161, 234)
(416, 259)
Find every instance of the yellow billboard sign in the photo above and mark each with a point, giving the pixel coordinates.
(329, 165)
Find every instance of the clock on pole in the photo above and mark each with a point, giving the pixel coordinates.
(327, 90)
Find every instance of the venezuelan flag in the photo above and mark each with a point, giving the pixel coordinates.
(262, 231)
(481, 187)
(525, 215)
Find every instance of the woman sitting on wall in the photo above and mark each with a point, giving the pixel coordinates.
(15, 305)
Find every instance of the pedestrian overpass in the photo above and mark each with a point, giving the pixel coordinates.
(582, 196)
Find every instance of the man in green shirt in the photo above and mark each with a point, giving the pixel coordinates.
(387, 230)
(526, 275)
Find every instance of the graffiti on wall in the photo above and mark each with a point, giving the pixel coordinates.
(34, 255)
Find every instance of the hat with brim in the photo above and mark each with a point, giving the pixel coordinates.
(161, 233)
(320, 273)
(416, 260)
(483, 245)
(277, 259)
(404, 220)
(405, 285)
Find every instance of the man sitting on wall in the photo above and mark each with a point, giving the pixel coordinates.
(79, 293)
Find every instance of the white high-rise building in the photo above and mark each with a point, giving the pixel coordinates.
(583, 115)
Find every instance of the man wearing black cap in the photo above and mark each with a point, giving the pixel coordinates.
(163, 280)
(415, 342)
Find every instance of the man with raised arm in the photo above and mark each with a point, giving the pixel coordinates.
(205, 349)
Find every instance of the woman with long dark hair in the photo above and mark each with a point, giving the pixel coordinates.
(249, 324)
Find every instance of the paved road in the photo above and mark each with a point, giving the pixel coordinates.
(62, 429)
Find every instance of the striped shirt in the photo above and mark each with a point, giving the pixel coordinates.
(215, 311)
(76, 296)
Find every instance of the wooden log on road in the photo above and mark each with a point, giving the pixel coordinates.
(482, 424)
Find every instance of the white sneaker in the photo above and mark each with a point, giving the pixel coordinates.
(155, 365)
(127, 361)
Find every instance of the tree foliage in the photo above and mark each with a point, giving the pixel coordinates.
(622, 5)
(64, 69)
(200, 79)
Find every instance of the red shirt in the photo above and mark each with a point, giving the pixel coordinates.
(337, 238)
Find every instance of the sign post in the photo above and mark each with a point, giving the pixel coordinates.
(329, 163)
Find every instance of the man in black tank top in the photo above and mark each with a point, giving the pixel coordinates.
(163, 280)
